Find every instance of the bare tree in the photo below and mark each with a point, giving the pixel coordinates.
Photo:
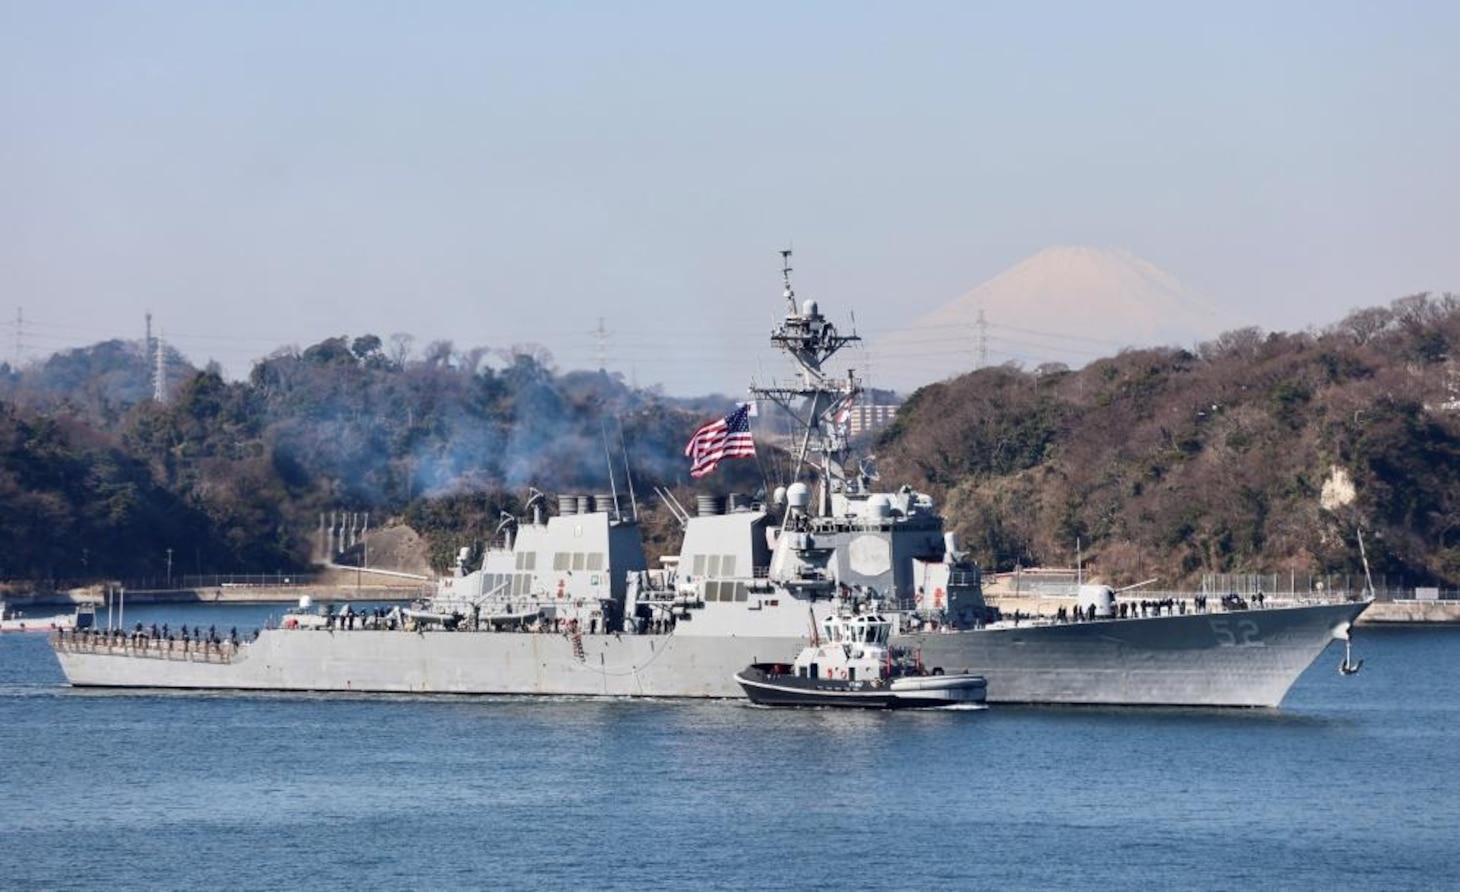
(400, 348)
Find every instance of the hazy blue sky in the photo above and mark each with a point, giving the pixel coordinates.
(259, 174)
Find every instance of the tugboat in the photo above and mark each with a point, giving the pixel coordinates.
(84, 617)
(855, 667)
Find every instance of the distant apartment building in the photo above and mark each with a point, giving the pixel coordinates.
(869, 419)
(861, 421)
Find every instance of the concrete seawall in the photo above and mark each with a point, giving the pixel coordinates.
(1382, 612)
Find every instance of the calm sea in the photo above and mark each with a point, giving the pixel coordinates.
(1353, 784)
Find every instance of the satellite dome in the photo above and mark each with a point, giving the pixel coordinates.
(1101, 597)
(798, 495)
(809, 308)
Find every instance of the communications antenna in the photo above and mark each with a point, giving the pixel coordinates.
(786, 278)
(814, 400)
(159, 378)
(602, 333)
(608, 457)
(628, 474)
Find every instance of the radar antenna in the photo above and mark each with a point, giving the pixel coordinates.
(815, 401)
(534, 501)
(790, 292)
(506, 527)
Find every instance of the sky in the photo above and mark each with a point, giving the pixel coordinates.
(614, 181)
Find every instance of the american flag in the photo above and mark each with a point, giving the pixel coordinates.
(727, 437)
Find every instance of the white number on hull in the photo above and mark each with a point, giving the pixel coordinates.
(1244, 634)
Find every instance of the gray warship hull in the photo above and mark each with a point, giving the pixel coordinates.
(1241, 658)
(432, 662)
(1244, 659)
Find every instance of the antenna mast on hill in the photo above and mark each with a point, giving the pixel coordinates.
(159, 377)
(602, 334)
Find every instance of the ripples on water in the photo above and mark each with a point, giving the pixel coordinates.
(1351, 785)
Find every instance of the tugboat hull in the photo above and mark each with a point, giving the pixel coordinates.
(768, 684)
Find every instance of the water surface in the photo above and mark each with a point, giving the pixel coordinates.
(1352, 784)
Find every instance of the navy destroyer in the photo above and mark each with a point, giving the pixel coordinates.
(565, 603)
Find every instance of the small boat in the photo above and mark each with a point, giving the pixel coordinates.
(83, 617)
(854, 666)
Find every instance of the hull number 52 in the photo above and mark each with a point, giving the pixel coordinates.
(1236, 633)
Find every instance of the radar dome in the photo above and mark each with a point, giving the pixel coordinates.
(879, 506)
(1101, 597)
(778, 498)
(798, 495)
(809, 308)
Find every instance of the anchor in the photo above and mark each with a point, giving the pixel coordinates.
(1348, 666)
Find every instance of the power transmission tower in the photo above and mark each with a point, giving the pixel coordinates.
(602, 334)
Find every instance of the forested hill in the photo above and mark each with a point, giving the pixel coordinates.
(1255, 453)
(99, 481)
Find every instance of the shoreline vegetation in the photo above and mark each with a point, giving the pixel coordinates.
(1291, 452)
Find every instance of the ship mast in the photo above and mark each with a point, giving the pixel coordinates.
(814, 399)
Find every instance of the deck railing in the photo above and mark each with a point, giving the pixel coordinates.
(133, 645)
